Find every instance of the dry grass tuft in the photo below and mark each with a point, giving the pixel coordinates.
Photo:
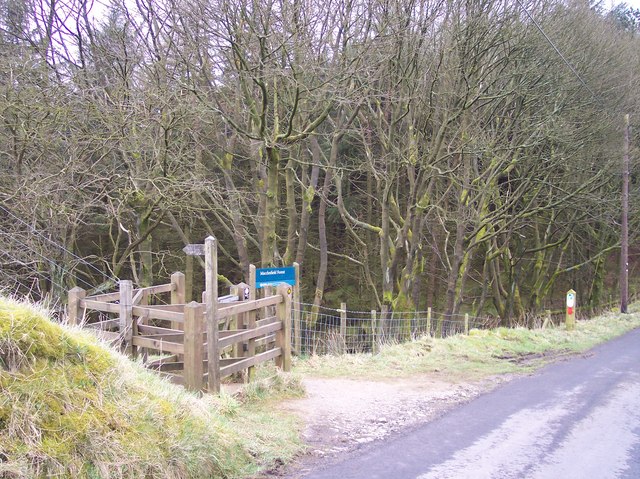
(69, 407)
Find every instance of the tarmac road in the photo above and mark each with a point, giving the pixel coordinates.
(576, 419)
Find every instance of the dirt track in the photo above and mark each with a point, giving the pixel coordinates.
(341, 415)
(574, 418)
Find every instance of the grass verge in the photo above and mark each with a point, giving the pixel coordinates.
(480, 354)
(70, 407)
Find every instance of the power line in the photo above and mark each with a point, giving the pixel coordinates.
(49, 260)
(557, 50)
(82, 260)
(32, 269)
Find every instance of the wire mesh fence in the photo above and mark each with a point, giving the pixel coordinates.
(340, 331)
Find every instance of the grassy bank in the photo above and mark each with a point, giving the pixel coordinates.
(481, 354)
(70, 407)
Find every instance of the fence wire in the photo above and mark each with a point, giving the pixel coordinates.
(334, 331)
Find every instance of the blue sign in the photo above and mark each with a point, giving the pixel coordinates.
(275, 276)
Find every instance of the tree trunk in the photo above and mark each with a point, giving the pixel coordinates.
(269, 222)
(322, 236)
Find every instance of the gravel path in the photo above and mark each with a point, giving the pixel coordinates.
(341, 415)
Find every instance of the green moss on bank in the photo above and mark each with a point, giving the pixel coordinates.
(70, 407)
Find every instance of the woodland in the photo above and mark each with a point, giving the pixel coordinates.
(464, 155)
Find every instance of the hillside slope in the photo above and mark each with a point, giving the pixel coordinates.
(70, 407)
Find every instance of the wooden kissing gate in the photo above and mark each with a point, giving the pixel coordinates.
(179, 333)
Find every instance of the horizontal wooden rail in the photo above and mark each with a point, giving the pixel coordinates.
(144, 342)
(106, 297)
(161, 288)
(229, 361)
(146, 330)
(100, 306)
(152, 313)
(177, 308)
(168, 366)
(266, 340)
(229, 310)
(227, 338)
(228, 365)
(265, 321)
(248, 362)
(159, 362)
(172, 338)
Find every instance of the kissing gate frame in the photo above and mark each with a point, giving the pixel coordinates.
(180, 332)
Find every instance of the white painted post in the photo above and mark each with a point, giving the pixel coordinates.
(570, 320)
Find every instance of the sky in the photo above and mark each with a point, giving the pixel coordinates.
(631, 3)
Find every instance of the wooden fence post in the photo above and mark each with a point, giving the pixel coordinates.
(177, 288)
(211, 288)
(439, 323)
(251, 320)
(267, 311)
(126, 322)
(384, 316)
(429, 320)
(297, 300)
(343, 327)
(239, 321)
(194, 346)
(188, 278)
(374, 332)
(177, 293)
(283, 336)
(75, 313)
(466, 324)
(547, 318)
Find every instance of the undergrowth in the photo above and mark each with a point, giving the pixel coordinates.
(69, 407)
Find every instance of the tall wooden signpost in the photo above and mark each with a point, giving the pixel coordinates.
(210, 251)
(211, 306)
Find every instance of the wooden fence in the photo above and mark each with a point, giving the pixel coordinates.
(177, 332)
